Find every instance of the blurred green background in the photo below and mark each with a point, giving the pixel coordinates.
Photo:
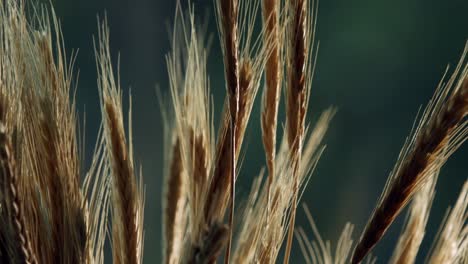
(379, 61)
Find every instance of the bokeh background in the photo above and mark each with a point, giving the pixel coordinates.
(379, 61)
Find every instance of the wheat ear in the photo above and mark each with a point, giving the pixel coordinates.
(203, 235)
(298, 84)
(439, 134)
(48, 144)
(272, 93)
(244, 61)
(127, 201)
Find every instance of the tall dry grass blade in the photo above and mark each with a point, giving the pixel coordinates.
(127, 200)
(414, 230)
(272, 92)
(299, 74)
(439, 134)
(452, 242)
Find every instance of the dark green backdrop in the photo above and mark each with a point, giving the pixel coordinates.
(379, 61)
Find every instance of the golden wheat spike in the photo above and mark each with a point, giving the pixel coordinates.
(440, 132)
(191, 131)
(127, 200)
(47, 142)
(228, 13)
(299, 74)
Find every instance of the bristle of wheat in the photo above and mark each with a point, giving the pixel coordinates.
(439, 134)
(97, 187)
(319, 251)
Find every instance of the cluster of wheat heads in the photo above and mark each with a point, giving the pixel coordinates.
(201, 172)
(49, 214)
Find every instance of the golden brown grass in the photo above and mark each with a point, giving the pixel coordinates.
(48, 214)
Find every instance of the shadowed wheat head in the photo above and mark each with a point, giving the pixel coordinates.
(53, 211)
